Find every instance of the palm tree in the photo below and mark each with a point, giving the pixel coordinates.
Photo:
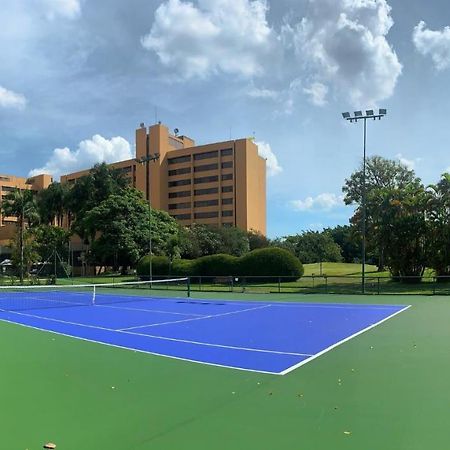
(21, 204)
(52, 204)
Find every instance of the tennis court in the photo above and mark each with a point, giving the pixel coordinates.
(259, 336)
(386, 388)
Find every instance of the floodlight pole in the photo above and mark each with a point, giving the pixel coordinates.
(359, 116)
(146, 160)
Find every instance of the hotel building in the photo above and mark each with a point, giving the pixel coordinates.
(219, 184)
(9, 183)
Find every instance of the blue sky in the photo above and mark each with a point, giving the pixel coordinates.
(78, 76)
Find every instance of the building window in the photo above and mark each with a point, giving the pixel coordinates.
(5, 179)
(206, 215)
(226, 152)
(206, 155)
(227, 201)
(9, 189)
(180, 205)
(181, 171)
(206, 191)
(204, 203)
(226, 189)
(182, 216)
(227, 176)
(179, 159)
(180, 194)
(227, 165)
(227, 224)
(227, 213)
(206, 167)
(210, 179)
(179, 183)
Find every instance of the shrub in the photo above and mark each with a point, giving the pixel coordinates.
(269, 262)
(215, 265)
(160, 266)
(182, 267)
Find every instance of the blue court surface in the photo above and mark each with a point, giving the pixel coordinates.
(264, 337)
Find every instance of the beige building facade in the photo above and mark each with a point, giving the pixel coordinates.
(219, 184)
(9, 183)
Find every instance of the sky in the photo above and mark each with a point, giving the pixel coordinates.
(77, 77)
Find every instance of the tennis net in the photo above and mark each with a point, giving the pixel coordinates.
(20, 298)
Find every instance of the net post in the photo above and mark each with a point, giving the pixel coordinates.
(93, 296)
(189, 287)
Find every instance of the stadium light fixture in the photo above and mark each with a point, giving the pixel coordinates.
(357, 117)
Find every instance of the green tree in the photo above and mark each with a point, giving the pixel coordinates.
(50, 239)
(405, 231)
(381, 174)
(233, 241)
(348, 240)
(52, 204)
(120, 229)
(21, 204)
(205, 240)
(439, 226)
(312, 247)
(257, 240)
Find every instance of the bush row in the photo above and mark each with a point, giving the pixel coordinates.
(266, 262)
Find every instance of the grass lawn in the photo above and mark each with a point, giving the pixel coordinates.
(386, 389)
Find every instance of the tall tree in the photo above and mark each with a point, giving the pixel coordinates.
(89, 192)
(120, 229)
(381, 174)
(21, 204)
(439, 230)
(52, 203)
(311, 247)
(348, 240)
(405, 231)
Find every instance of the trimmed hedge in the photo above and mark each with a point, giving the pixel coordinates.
(266, 262)
(160, 266)
(215, 265)
(269, 262)
(183, 267)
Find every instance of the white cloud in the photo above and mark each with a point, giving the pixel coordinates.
(229, 36)
(317, 93)
(323, 202)
(255, 92)
(338, 48)
(433, 43)
(343, 44)
(89, 152)
(265, 151)
(10, 99)
(409, 163)
(68, 9)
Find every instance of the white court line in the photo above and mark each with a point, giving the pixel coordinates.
(212, 316)
(331, 347)
(149, 336)
(178, 358)
(150, 310)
